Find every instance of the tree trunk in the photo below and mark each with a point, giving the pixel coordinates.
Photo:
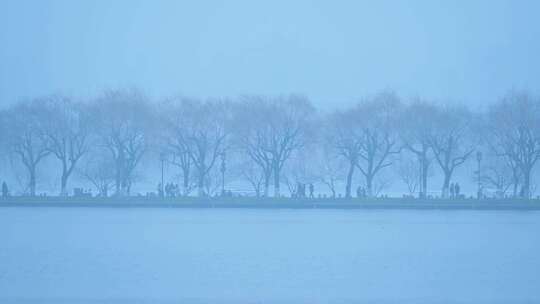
(276, 181)
(369, 185)
(526, 192)
(117, 186)
(32, 182)
(118, 179)
(200, 184)
(515, 190)
(105, 191)
(349, 180)
(425, 167)
(446, 184)
(185, 182)
(515, 181)
(120, 173)
(63, 182)
(266, 185)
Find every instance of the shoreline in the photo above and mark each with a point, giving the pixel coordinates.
(271, 203)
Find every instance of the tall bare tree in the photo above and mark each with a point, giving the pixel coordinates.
(26, 138)
(175, 138)
(66, 129)
(379, 139)
(275, 127)
(342, 132)
(409, 172)
(299, 171)
(123, 122)
(330, 167)
(198, 136)
(366, 136)
(451, 140)
(415, 127)
(99, 170)
(249, 171)
(251, 134)
(515, 130)
(498, 173)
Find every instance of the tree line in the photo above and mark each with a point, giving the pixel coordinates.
(271, 142)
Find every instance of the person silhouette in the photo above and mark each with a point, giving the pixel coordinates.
(160, 190)
(5, 190)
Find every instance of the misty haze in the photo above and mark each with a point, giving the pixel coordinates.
(269, 152)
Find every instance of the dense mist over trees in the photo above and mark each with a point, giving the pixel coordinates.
(271, 144)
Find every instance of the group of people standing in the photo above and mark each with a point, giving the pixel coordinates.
(361, 192)
(301, 190)
(170, 190)
(455, 190)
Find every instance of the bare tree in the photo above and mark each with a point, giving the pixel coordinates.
(249, 171)
(182, 160)
(342, 132)
(499, 174)
(207, 136)
(26, 138)
(176, 138)
(515, 131)
(123, 121)
(4, 127)
(378, 136)
(275, 128)
(409, 172)
(212, 182)
(198, 133)
(251, 135)
(381, 183)
(99, 170)
(297, 171)
(290, 129)
(450, 140)
(66, 129)
(330, 168)
(415, 127)
(366, 136)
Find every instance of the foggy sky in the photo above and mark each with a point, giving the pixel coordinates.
(332, 51)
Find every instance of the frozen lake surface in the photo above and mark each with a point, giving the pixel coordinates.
(116, 255)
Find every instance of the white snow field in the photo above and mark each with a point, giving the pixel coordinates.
(160, 255)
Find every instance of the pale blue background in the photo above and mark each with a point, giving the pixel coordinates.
(332, 51)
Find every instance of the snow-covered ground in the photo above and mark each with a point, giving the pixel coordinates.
(100, 255)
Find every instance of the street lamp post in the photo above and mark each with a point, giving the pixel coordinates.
(479, 160)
